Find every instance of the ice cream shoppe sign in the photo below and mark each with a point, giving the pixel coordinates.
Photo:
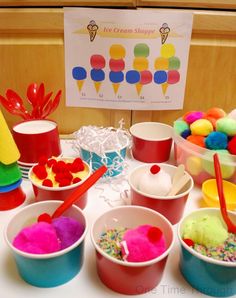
(126, 59)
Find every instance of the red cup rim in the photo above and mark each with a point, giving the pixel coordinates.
(134, 264)
(191, 250)
(26, 122)
(62, 187)
(161, 165)
(157, 124)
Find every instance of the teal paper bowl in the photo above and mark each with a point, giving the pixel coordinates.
(113, 160)
(46, 270)
(209, 276)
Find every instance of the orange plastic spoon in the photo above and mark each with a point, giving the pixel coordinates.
(75, 195)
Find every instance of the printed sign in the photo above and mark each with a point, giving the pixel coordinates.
(126, 59)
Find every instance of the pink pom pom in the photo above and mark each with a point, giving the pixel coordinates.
(192, 116)
(40, 238)
(139, 247)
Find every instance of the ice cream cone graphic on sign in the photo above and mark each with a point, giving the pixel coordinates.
(97, 86)
(80, 84)
(92, 29)
(164, 87)
(164, 31)
(79, 74)
(116, 87)
(139, 87)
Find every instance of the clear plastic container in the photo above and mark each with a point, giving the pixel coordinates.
(199, 163)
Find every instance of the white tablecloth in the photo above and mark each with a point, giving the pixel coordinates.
(87, 284)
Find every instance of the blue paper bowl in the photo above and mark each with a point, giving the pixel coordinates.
(113, 160)
(46, 270)
(209, 276)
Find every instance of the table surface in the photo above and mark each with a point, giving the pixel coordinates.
(101, 197)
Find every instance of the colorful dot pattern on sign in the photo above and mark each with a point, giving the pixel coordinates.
(166, 67)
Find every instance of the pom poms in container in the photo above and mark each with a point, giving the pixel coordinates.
(198, 135)
(42, 104)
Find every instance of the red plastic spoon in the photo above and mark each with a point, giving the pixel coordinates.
(231, 226)
(74, 195)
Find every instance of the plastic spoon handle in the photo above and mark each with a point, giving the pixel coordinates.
(176, 188)
(178, 174)
(79, 191)
(223, 208)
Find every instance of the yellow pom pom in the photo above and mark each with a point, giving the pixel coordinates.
(201, 127)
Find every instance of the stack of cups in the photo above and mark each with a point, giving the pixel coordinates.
(11, 194)
(34, 139)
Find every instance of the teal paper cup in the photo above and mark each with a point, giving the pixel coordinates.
(209, 276)
(46, 270)
(113, 160)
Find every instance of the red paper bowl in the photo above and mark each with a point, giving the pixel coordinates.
(172, 207)
(45, 193)
(36, 138)
(151, 141)
(129, 277)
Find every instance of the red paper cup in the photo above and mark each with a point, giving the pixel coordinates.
(172, 207)
(45, 193)
(12, 199)
(151, 141)
(130, 278)
(36, 138)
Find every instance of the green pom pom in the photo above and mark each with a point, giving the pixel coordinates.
(225, 160)
(226, 125)
(180, 126)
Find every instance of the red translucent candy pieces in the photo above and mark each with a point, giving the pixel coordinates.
(40, 172)
(51, 162)
(47, 182)
(76, 180)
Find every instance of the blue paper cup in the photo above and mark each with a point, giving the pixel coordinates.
(46, 270)
(209, 276)
(113, 160)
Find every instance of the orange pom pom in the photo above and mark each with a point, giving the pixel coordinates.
(212, 120)
(197, 140)
(216, 113)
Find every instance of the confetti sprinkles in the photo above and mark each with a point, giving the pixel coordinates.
(109, 242)
(225, 252)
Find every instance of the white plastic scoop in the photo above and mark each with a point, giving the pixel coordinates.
(180, 179)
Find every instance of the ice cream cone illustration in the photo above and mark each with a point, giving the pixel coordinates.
(79, 74)
(164, 87)
(139, 87)
(117, 65)
(80, 84)
(92, 29)
(164, 31)
(116, 87)
(97, 62)
(97, 86)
